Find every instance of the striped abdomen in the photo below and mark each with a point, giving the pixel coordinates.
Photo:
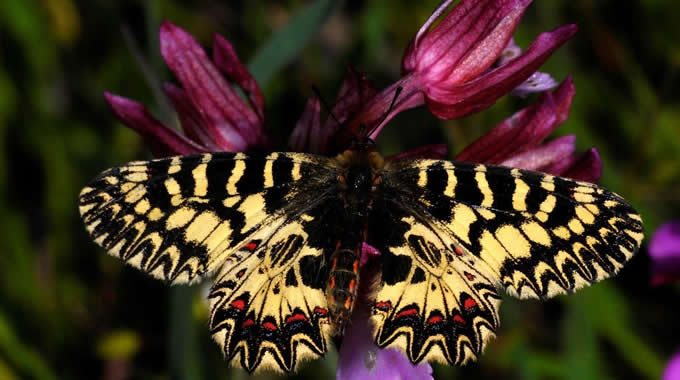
(343, 283)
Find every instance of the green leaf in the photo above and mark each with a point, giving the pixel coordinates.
(283, 47)
(610, 312)
(582, 349)
(22, 357)
(185, 362)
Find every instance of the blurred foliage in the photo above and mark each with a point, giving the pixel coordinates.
(70, 311)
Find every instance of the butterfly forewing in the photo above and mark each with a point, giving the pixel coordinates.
(460, 230)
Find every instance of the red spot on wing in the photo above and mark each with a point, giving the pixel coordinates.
(406, 313)
(469, 304)
(458, 251)
(250, 246)
(239, 304)
(249, 322)
(241, 273)
(296, 318)
(352, 284)
(435, 319)
(320, 312)
(269, 326)
(383, 305)
(469, 276)
(459, 319)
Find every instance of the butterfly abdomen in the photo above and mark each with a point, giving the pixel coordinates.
(343, 283)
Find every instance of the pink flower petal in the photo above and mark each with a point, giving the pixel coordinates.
(584, 167)
(523, 130)
(190, 118)
(483, 54)
(447, 102)
(222, 111)
(664, 250)
(162, 140)
(356, 89)
(511, 51)
(227, 60)
(373, 114)
(672, 371)
(360, 358)
(307, 135)
(537, 82)
(354, 95)
(368, 252)
(543, 155)
(466, 41)
(434, 151)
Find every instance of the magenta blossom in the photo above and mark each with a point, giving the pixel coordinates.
(519, 140)
(360, 358)
(449, 62)
(664, 250)
(537, 82)
(213, 115)
(313, 136)
(672, 371)
(457, 66)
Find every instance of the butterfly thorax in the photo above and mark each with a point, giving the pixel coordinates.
(356, 186)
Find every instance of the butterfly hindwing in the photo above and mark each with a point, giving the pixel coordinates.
(433, 303)
(268, 303)
(473, 226)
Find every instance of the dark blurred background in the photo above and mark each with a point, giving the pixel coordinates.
(68, 310)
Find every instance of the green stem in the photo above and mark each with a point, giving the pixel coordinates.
(183, 350)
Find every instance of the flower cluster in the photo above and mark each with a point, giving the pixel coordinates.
(664, 251)
(460, 61)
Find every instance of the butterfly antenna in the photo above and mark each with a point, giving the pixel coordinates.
(389, 109)
(325, 105)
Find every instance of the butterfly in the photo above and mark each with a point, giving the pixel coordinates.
(282, 234)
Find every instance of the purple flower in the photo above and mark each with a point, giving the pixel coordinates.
(450, 62)
(537, 82)
(213, 115)
(672, 371)
(360, 358)
(457, 66)
(310, 135)
(519, 141)
(664, 250)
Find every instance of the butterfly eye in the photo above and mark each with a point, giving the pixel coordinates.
(341, 179)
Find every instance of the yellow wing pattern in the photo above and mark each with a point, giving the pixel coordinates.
(451, 235)
(464, 230)
(268, 303)
(242, 217)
